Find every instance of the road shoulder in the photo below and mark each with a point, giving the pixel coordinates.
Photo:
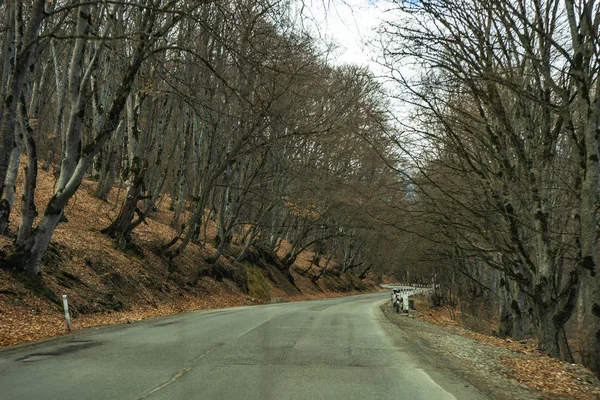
(441, 349)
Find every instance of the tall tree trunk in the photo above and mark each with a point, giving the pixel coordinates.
(23, 128)
(160, 169)
(321, 272)
(120, 228)
(60, 107)
(25, 62)
(8, 52)
(28, 209)
(28, 255)
(583, 24)
(182, 175)
(506, 316)
(108, 168)
(7, 197)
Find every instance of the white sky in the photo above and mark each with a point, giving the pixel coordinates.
(353, 25)
(350, 23)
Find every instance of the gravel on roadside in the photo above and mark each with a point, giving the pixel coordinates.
(479, 363)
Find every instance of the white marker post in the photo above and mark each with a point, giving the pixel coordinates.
(67, 316)
(405, 301)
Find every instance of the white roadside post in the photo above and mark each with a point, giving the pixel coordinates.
(66, 307)
(405, 301)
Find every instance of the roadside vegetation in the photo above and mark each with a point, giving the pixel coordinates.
(158, 156)
(500, 367)
(171, 155)
(504, 149)
(107, 285)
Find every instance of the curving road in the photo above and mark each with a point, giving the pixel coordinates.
(327, 349)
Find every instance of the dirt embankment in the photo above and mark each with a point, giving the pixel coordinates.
(502, 369)
(107, 285)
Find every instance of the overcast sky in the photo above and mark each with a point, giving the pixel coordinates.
(350, 23)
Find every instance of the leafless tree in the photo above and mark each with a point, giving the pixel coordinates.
(511, 91)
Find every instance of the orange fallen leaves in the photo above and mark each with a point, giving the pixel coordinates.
(19, 326)
(87, 266)
(534, 369)
(553, 376)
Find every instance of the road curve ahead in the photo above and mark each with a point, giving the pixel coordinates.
(326, 349)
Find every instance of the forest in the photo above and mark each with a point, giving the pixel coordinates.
(232, 115)
(503, 143)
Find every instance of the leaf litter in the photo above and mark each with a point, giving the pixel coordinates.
(106, 285)
(554, 378)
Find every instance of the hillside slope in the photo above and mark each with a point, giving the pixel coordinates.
(107, 285)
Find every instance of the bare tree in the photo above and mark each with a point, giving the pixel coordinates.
(77, 156)
(509, 148)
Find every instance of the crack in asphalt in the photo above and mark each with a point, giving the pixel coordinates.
(184, 371)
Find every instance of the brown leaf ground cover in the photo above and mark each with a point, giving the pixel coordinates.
(106, 285)
(554, 378)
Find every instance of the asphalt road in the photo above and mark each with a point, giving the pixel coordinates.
(326, 349)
